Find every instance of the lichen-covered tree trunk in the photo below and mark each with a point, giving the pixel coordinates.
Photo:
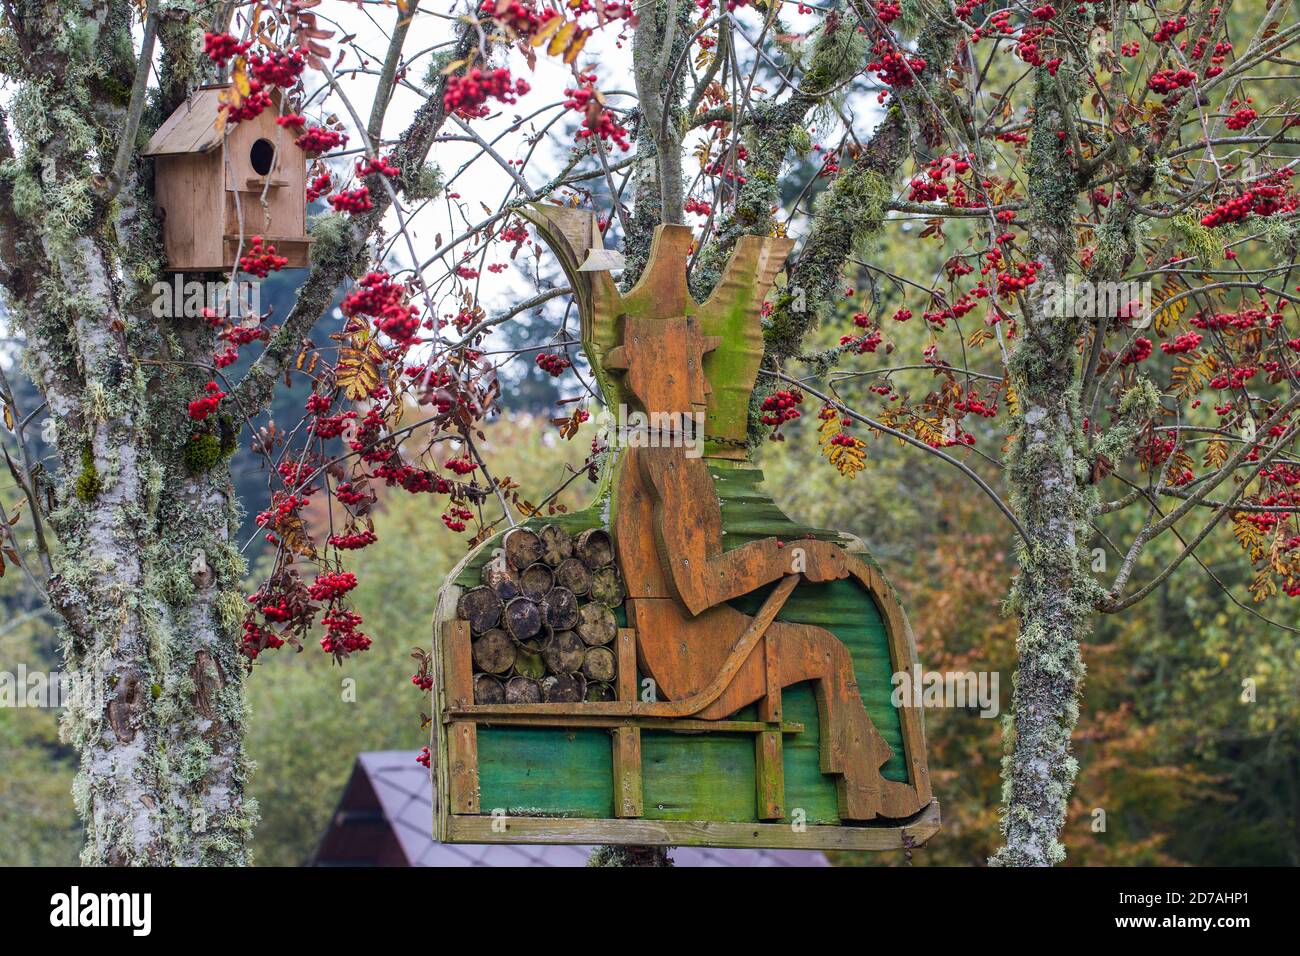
(1053, 595)
(144, 574)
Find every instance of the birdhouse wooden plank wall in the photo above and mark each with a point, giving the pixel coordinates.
(207, 179)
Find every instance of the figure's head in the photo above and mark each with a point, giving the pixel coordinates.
(662, 363)
(648, 344)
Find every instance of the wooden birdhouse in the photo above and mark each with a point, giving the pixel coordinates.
(209, 179)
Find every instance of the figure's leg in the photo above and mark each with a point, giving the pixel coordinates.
(851, 747)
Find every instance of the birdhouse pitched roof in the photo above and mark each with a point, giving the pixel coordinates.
(192, 128)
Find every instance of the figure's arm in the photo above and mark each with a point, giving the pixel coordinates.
(688, 533)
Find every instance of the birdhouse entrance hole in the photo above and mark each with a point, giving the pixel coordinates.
(262, 156)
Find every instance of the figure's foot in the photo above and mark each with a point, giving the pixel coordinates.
(859, 756)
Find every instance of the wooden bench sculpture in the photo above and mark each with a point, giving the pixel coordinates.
(711, 628)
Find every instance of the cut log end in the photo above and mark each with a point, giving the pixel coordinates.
(557, 545)
(571, 573)
(488, 690)
(523, 619)
(481, 607)
(523, 690)
(607, 588)
(536, 580)
(564, 688)
(522, 547)
(595, 547)
(560, 609)
(596, 624)
(564, 652)
(494, 652)
(599, 664)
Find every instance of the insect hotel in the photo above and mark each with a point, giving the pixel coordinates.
(215, 182)
(680, 663)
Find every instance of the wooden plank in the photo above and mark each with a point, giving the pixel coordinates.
(912, 833)
(627, 674)
(628, 795)
(546, 771)
(458, 665)
(769, 775)
(563, 715)
(769, 708)
(462, 754)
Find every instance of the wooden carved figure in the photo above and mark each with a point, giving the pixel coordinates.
(678, 663)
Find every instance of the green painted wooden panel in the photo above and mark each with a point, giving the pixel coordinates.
(698, 777)
(536, 772)
(701, 776)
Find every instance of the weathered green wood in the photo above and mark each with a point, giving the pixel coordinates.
(527, 771)
(891, 836)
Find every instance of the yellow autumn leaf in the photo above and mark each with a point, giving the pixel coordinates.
(239, 76)
(562, 38)
(576, 46)
(546, 29)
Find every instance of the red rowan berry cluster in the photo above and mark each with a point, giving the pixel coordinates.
(1187, 342)
(974, 405)
(278, 69)
(698, 206)
(467, 94)
(332, 426)
(348, 495)
(1168, 80)
(781, 407)
(521, 19)
(462, 466)
(250, 106)
(1140, 351)
(894, 69)
(332, 585)
(341, 635)
(455, 518)
(318, 139)
(257, 639)
(352, 541)
(1265, 199)
(260, 259)
(1241, 118)
(597, 121)
(201, 408)
(352, 201)
(1234, 377)
(220, 47)
(319, 186)
(864, 343)
(413, 480)
(380, 165)
(291, 121)
(552, 364)
(1170, 29)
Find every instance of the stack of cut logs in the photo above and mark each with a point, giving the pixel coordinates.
(542, 621)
